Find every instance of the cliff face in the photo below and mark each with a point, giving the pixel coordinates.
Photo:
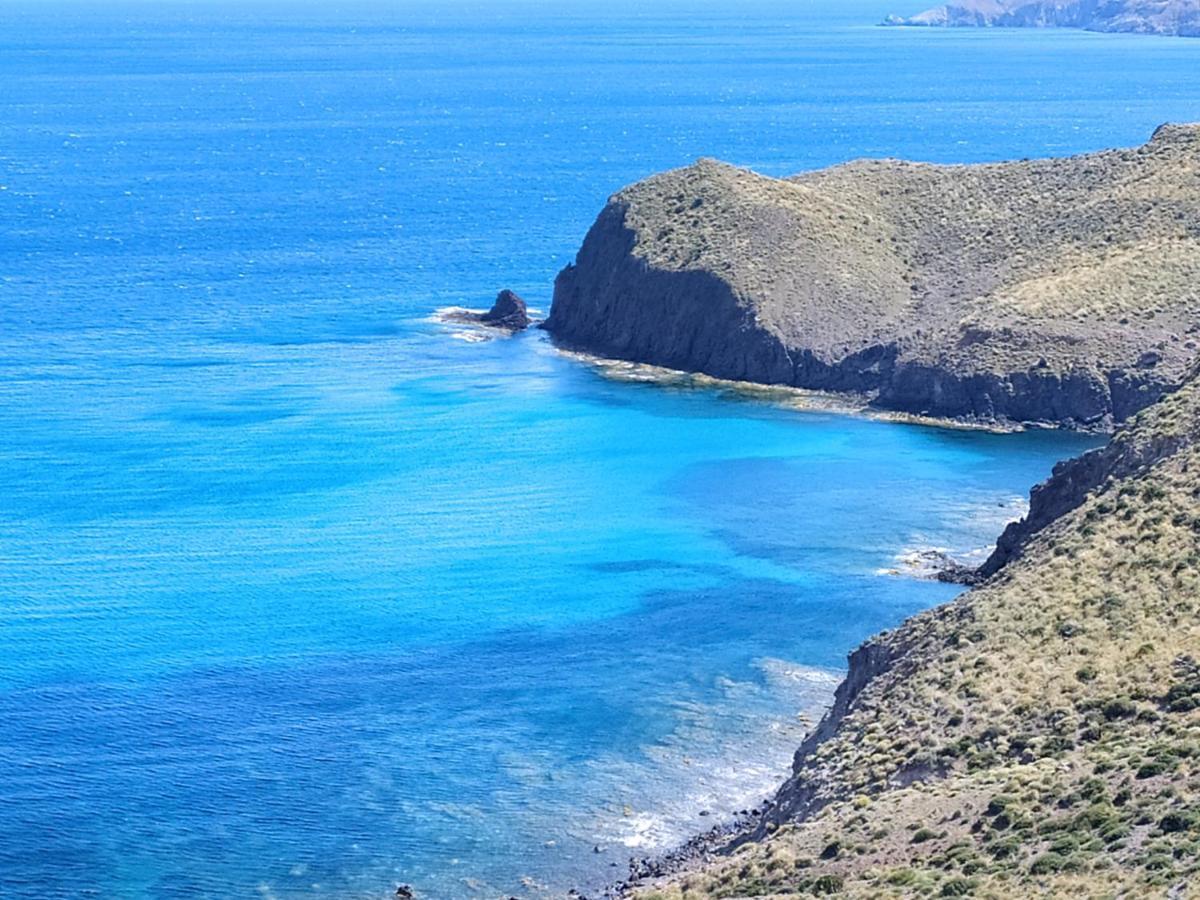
(1166, 17)
(613, 301)
(1039, 736)
(1158, 433)
(1060, 291)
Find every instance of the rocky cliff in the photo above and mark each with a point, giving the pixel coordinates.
(1167, 17)
(1160, 432)
(1039, 736)
(1057, 291)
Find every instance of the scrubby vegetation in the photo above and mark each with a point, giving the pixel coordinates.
(1040, 736)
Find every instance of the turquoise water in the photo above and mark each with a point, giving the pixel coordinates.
(304, 595)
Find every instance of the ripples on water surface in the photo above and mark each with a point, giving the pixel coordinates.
(300, 595)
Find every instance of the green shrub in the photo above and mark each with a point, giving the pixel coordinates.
(1005, 849)
(1056, 744)
(1047, 863)
(959, 887)
(902, 877)
(1177, 821)
(999, 804)
(1119, 708)
(1093, 789)
(1151, 768)
(827, 884)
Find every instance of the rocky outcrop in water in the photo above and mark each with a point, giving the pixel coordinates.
(1165, 17)
(1055, 291)
(509, 311)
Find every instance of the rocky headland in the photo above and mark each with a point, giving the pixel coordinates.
(1058, 291)
(1040, 735)
(1166, 17)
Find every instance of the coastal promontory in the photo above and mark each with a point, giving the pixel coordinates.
(1176, 17)
(1059, 291)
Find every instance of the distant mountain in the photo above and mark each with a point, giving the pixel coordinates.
(1170, 17)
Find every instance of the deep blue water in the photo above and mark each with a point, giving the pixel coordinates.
(303, 595)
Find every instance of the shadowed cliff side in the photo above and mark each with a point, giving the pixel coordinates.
(1039, 736)
(1164, 429)
(1052, 291)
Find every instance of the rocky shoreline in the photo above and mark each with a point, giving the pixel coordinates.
(785, 396)
(1038, 733)
(697, 850)
(1150, 463)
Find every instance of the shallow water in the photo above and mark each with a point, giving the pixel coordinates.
(301, 595)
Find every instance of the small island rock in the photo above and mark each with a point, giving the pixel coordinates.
(509, 311)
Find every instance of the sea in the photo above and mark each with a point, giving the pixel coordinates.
(306, 593)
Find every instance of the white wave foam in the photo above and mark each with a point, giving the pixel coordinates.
(721, 757)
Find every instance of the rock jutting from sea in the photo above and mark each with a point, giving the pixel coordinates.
(1057, 291)
(508, 313)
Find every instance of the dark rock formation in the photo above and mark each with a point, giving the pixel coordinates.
(1052, 291)
(1179, 17)
(508, 311)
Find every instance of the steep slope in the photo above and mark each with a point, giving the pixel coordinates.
(1062, 291)
(1039, 736)
(1167, 17)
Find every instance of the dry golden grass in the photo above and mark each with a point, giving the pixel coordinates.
(1079, 263)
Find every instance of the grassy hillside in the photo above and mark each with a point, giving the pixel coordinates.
(1012, 264)
(1061, 290)
(1040, 736)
